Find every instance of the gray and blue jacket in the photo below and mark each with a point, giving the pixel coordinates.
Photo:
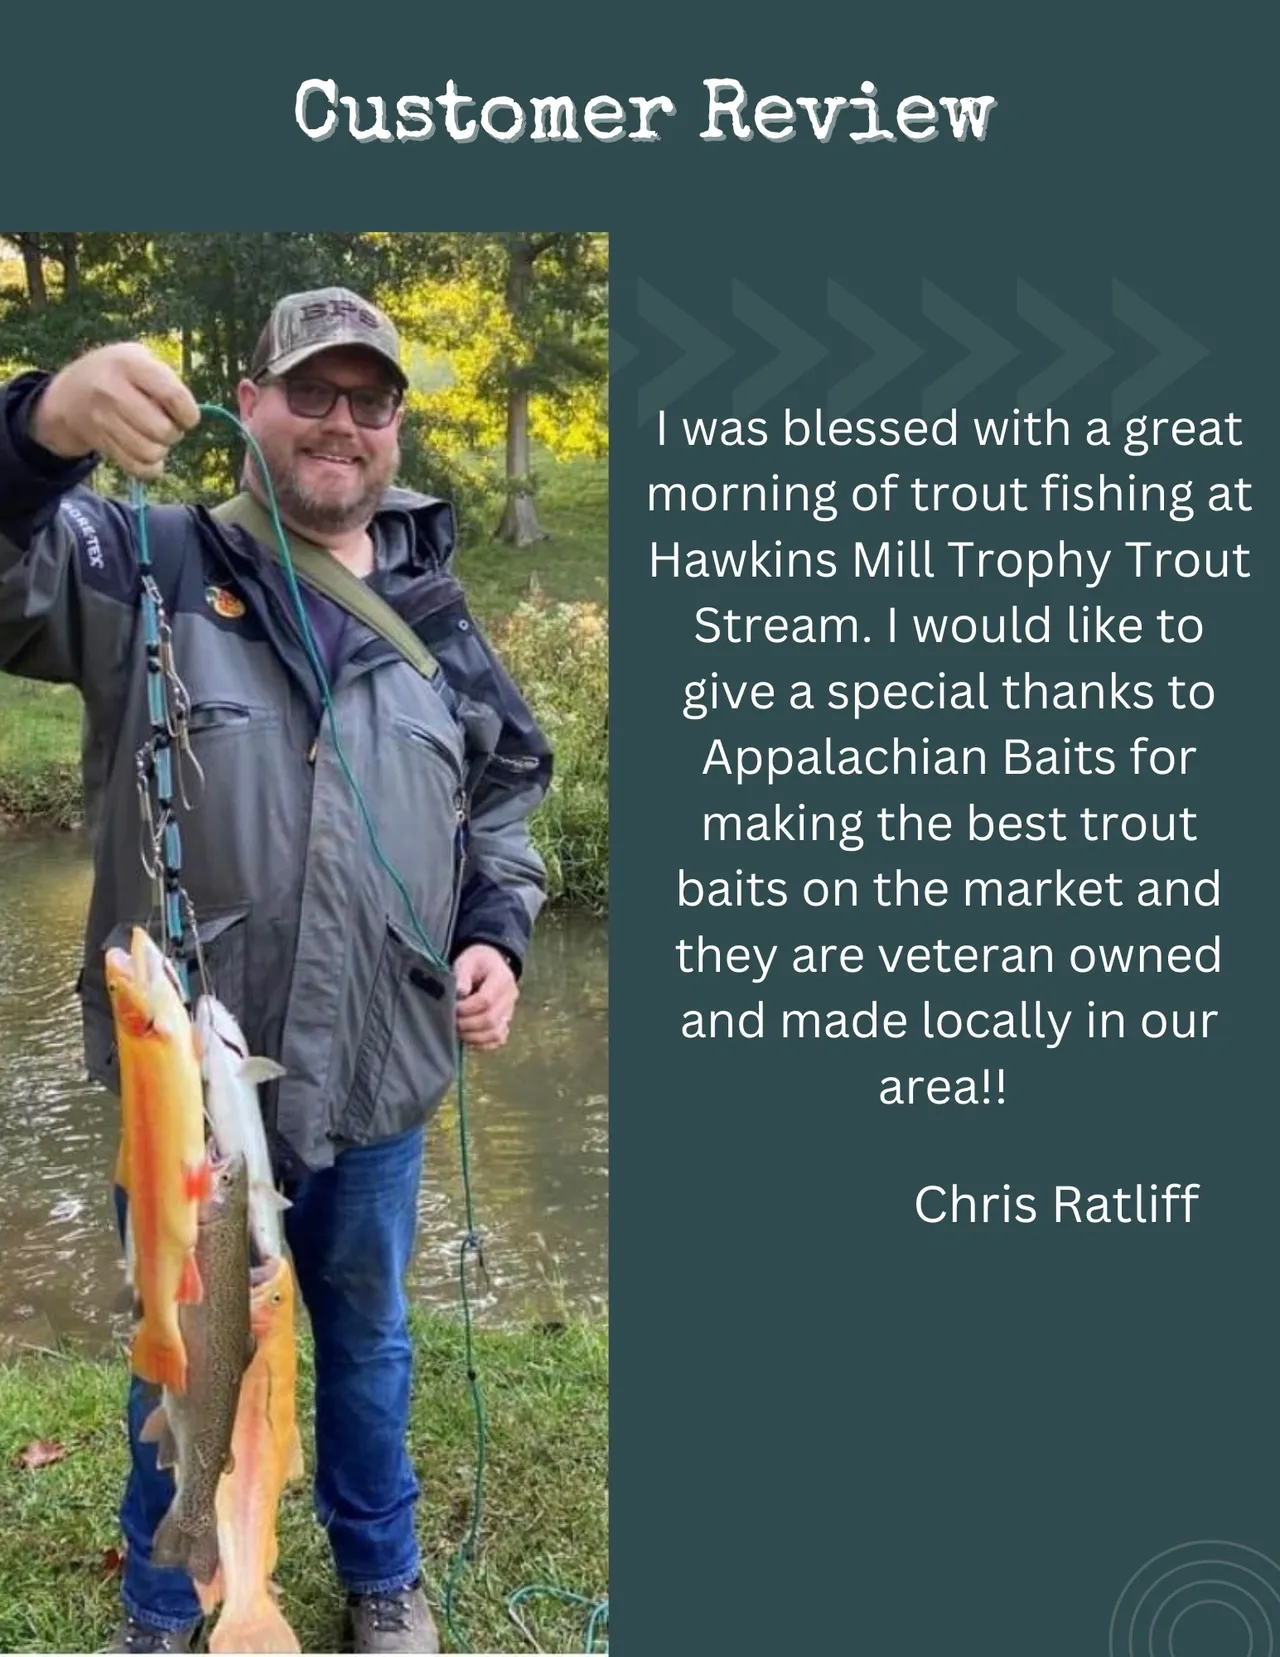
(304, 934)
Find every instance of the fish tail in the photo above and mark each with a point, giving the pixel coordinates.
(257, 1626)
(159, 1358)
(194, 1551)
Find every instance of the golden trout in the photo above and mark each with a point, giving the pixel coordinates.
(266, 1453)
(193, 1428)
(162, 1163)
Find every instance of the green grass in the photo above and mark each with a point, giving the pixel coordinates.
(545, 1515)
(39, 752)
(559, 658)
(572, 566)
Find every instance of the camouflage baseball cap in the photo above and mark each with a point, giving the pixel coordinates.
(304, 324)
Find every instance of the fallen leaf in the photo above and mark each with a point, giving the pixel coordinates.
(40, 1453)
(111, 1563)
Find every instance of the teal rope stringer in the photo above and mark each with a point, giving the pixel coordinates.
(158, 766)
(596, 1621)
(597, 1610)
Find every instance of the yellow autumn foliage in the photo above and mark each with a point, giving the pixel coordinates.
(460, 341)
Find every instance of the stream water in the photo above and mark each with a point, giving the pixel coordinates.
(538, 1115)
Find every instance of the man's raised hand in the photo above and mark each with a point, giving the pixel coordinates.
(119, 401)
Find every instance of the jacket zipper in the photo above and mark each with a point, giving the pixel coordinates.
(459, 861)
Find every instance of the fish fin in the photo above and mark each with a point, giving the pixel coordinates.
(259, 1627)
(167, 1543)
(157, 1430)
(256, 1071)
(273, 1198)
(197, 1182)
(157, 1359)
(154, 1425)
(295, 1467)
(167, 1451)
(211, 1594)
(191, 1284)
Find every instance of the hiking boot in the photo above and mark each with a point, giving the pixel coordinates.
(399, 1620)
(133, 1635)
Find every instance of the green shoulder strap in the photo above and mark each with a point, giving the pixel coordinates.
(317, 566)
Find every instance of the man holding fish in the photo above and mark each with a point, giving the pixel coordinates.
(322, 1015)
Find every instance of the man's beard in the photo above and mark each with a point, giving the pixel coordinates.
(327, 517)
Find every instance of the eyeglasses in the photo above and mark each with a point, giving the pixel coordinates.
(372, 406)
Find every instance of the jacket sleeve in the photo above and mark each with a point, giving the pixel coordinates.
(68, 571)
(504, 878)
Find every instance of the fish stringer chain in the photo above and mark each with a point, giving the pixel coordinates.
(159, 761)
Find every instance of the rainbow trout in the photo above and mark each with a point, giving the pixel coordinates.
(231, 1099)
(193, 1429)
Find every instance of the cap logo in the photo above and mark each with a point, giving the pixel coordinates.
(317, 310)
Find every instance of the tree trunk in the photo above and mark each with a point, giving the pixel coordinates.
(34, 263)
(69, 256)
(519, 526)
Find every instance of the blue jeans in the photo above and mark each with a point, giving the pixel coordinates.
(350, 1232)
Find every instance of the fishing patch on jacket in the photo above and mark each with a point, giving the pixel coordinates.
(223, 602)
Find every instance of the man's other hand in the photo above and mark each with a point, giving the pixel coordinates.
(119, 401)
(487, 994)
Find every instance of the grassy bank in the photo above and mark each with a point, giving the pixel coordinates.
(39, 752)
(545, 608)
(545, 1497)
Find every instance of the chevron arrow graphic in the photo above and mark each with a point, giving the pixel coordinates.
(797, 351)
(1082, 351)
(892, 352)
(1177, 351)
(703, 352)
(988, 352)
(621, 352)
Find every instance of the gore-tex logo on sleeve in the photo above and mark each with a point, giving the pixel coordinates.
(87, 535)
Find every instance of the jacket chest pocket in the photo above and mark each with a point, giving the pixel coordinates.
(404, 1062)
(433, 747)
(423, 836)
(211, 720)
(239, 799)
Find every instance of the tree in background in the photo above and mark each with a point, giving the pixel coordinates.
(521, 319)
(506, 336)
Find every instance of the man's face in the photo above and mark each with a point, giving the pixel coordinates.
(328, 473)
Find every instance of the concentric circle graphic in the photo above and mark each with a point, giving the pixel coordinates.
(1225, 1580)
